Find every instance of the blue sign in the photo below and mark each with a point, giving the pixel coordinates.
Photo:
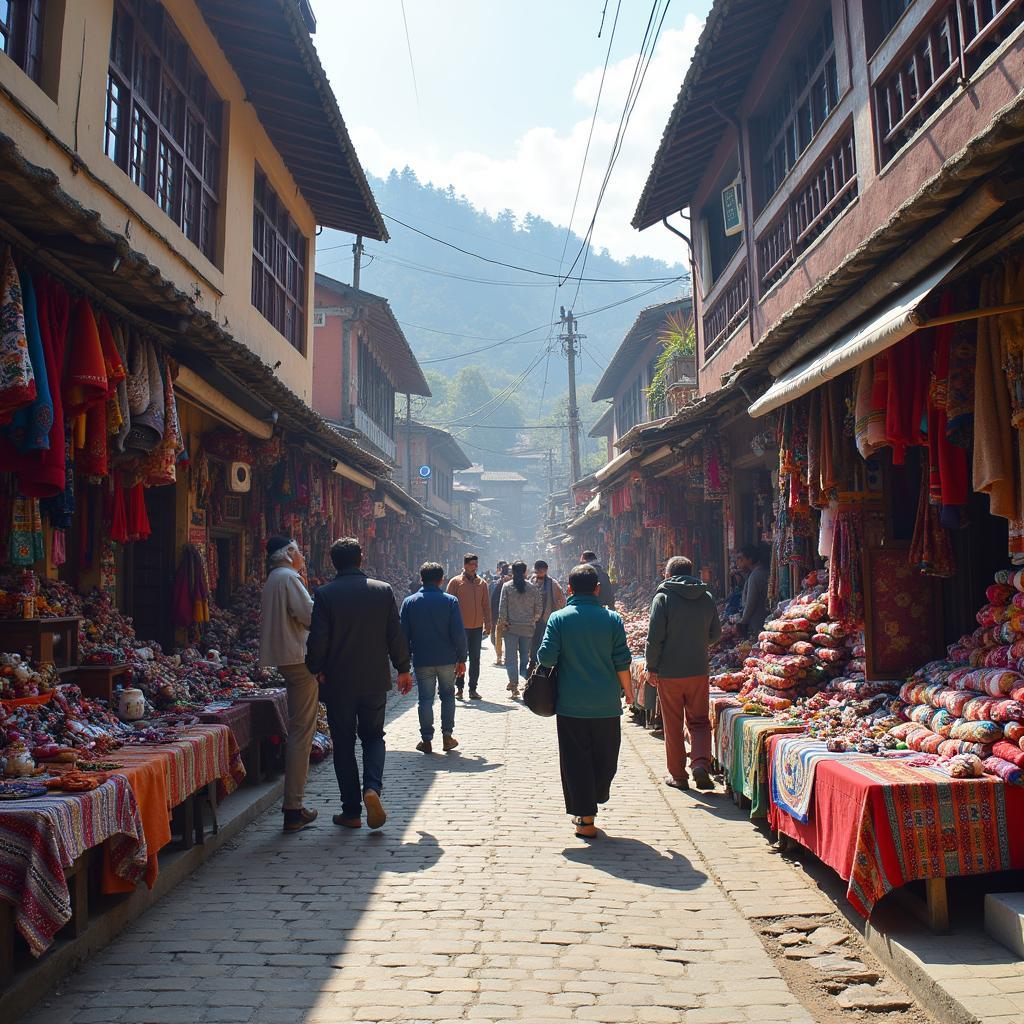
(424, 472)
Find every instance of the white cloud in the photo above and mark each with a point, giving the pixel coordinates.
(540, 176)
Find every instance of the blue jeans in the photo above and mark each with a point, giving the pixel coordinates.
(363, 716)
(520, 644)
(431, 679)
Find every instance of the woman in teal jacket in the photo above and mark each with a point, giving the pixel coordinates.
(588, 644)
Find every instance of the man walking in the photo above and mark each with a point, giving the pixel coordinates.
(684, 622)
(755, 590)
(439, 641)
(607, 593)
(552, 599)
(497, 630)
(285, 610)
(475, 602)
(353, 634)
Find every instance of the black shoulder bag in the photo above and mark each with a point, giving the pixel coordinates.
(541, 692)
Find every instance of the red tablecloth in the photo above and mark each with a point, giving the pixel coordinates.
(881, 824)
(238, 718)
(40, 838)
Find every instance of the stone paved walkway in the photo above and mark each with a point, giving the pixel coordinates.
(474, 903)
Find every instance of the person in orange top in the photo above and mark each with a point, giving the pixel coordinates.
(475, 603)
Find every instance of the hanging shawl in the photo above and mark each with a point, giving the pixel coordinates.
(26, 541)
(147, 429)
(85, 383)
(869, 422)
(931, 551)
(191, 600)
(137, 381)
(947, 463)
(17, 381)
(116, 374)
(29, 430)
(60, 508)
(118, 512)
(159, 467)
(960, 398)
(845, 576)
(124, 412)
(137, 516)
(909, 368)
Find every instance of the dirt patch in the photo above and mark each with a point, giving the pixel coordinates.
(831, 971)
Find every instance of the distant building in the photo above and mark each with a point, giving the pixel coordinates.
(433, 449)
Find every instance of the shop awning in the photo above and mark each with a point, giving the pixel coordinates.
(897, 319)
(611, 468)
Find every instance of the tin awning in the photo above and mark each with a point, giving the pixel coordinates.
(899, 317)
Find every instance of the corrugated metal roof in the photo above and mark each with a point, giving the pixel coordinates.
(268, 44)
(650, 322)
(497, 476)
(727, 53)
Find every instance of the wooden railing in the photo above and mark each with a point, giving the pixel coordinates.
(818, 200)
(728, 312)
(942, 55)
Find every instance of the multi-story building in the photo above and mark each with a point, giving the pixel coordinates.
(152, 162)
(361, 361)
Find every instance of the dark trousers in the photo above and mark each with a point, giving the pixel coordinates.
(588, 756)
(351, 715)
(474, 638)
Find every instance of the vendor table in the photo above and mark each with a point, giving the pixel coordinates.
(269, 711)
(882, 823)
(53, 640)
(743, 753)
(42, 839)
(237, 717)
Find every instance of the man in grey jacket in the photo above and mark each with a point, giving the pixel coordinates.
(285, 610)
(755, 591)
(684, 623)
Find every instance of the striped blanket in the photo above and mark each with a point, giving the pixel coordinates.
(40, 838)
(792, 773)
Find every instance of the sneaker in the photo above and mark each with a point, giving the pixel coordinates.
(375, 813)
(296, 821)
(425, 747)
(450, 743)
(671, 780)
(340, 819)
(702, 778)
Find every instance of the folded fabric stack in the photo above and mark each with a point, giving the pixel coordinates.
(972, 703)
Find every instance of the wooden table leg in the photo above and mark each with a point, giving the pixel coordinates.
(938, 904)
(6, 942)
(80, 894)
(185, 817)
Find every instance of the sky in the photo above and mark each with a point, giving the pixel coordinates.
(498, 98)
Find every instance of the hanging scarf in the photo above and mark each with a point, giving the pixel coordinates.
(60, 508)
(123, 412)
(29, 430)
(116, 374)
(191, 597)
(17, 381)
(138, 518)
(85, 383)
(845, 573)
(147, 428)
(26, 537)
(931, 551)
(869, 422)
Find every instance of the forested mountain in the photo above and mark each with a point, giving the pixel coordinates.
(483, 331)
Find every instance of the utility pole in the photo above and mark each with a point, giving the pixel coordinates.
(570, 340)
(551, 471)
(357, 259)
(408, 442)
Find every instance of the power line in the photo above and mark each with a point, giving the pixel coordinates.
(412, 66)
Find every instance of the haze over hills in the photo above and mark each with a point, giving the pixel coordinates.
(483, 331)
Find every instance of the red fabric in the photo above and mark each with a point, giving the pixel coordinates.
(119, 513)
(947, 463)
(685, 697)
(85, 384)
(138, 518)
(871, 833)
(908, 377)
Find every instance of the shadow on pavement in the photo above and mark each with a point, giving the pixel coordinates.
(455, 762)
(635, 861)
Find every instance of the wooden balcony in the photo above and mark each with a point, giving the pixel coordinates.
(728, 311)
(826, 191)
(924, 62)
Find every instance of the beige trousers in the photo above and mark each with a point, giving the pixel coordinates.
(498, 639)
(303, 700)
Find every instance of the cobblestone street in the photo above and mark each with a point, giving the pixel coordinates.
(474, 903)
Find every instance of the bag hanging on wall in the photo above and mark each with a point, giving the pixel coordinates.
(541, 692)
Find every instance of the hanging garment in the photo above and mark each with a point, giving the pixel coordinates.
(845, 572)
(869, 420)
(138, 518)
(947, 463)
(191, 597)
(995, 461)
(137, 381)
(117, 445)
(119, 512)
(26, 537)
(159, 467)
(815, 443)
(29, 429)
(908, 376)
(147, 429)
(931, 551)
(17, 381)
(60, 507)
(116, 374)
(827, 529)
(1011, 333)
(85, 383)
(58, 547)
(960, 396)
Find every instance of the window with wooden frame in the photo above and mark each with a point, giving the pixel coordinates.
(376, 392)
(163, 120)
(278, 264)
(628, 414)
(807, 97)
(21, 35)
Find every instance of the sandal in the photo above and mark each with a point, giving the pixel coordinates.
(585, 829)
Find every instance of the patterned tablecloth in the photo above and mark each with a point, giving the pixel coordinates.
(41, 838)
(269, 712)
(882, 823)
(237, 717)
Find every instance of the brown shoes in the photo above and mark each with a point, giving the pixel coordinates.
(340, 819)
(296, 821)
(375, 813)
(425, 747)
(450, 743)
(702, 778)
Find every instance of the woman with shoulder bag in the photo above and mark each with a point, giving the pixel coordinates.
(588, 644)
(518, 612)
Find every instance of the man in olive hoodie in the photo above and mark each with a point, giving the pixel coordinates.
(684, 623)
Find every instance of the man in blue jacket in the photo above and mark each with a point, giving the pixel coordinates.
(432, 624)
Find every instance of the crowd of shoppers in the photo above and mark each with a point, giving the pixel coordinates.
(343, 644)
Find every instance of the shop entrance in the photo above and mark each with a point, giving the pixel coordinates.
(151, 570)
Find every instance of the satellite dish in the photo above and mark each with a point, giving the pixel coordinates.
(424, 472)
